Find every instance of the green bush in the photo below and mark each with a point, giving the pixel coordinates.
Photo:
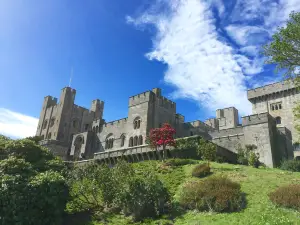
(207, 150)
(178, 162)
(31, 191)
(291, 165)
(134, 192)
(287, 196)
(28, 199)
(216, 194)
(253, 159)
(201, 170)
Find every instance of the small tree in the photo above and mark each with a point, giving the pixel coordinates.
(162, 137)
(207, 150)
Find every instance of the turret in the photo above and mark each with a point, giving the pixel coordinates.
(97, 107)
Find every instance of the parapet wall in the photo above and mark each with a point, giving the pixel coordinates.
(271, 88)
(226, 132)
(256, 119)
(116, 122)
(140, 98)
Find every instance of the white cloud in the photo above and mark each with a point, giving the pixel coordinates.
(202, 64)
(17, 125)
(199, 65)
(241, 34)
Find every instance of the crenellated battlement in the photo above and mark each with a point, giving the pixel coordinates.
(166, 103)
(139, 98)
(50, 101)
(113, 123)
(270, 89)
(256, 119)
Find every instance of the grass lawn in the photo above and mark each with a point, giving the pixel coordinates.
(255, 183)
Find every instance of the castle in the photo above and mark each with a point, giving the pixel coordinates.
(72, 131)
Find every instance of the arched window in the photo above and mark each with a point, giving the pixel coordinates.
(137, 123)
(130, 142)
(79, 141)
(276, 107)
(135, 141)
(272, 107)
(122, 140)
(109, 142)
(278, 120)
(140, 140)
(49, 135)
(75, 123)
(45, 124)
(52, 121)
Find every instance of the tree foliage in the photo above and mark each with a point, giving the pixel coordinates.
(207, 150)
(97, 188)
(284, 50)
(32, 189)
(162, 137)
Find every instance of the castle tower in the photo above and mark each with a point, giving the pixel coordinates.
(43, 124)
(97, 107)
(228, 118)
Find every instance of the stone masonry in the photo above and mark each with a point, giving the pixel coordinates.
(77, 133)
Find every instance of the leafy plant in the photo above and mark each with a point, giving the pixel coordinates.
(291, 165)
(178, 162)
(207, 150)
(201, 170)
(162, 137)
(287, 196)
(32, 188)
(247, 155)
(217, 194)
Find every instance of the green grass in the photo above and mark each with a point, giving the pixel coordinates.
(255, 183)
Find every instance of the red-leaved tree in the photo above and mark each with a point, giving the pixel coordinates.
(162, 137)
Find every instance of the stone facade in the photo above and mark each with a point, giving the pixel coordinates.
(82, 133)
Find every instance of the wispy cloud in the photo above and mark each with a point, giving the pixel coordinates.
(203, 64)
(16, 125)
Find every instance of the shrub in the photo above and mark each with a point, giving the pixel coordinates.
(253, 159)
(143, 197)
(178, 162)
(291, 165)
(135, 192)
(207, 150)
(31, 200)
(201, 170)
(216, 194)
(287, 196)
(31, 192)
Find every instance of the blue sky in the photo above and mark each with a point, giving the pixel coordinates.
(203, 54)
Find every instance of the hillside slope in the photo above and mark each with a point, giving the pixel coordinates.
(255, 183)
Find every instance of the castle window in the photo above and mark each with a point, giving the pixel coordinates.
(140, 140)
(45, 124)
(137, 123)
(75, 123)
(86, 127)
(135, 141)
(278, 120)
(279, 106)
(109, 143)
(122, 140)
(272, 107)
(130, 142)
(276, 107)
(49, 136)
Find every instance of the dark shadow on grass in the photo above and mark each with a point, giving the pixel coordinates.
(80, 218)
